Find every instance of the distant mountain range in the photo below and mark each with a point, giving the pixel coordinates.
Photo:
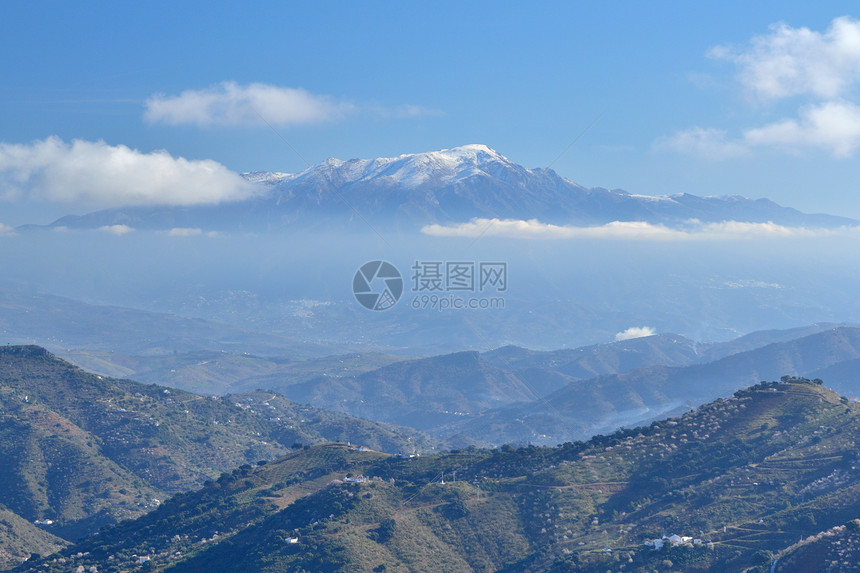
(607, 402)
(493, 397)
(514, 395)
(447, 186)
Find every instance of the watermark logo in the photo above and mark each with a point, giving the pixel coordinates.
(438, 285)
(451, 276)
(377, 285)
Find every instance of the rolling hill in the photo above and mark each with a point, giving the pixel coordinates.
(604, 403)
(835, 549)
(515, 395)
(595, 360)
(725, 487)
(20, 539)
(222, 372)
(422, 393)
(82, 450)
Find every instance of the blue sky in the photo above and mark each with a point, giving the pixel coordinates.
(758, 99)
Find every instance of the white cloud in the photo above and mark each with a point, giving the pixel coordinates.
(635, 332)
(117, 230)
(798, 61)
(834, 126)
(184, 232)
(534, 229)
(625, 230)
(831, 126)
(231, 104)
(744, 230)
(96, 174)
(786, 62)
(705, 142)
(6, 230)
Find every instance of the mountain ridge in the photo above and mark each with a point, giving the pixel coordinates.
(609, 401)
(515, 395)
(82, 450)
(722, 488)
(448, 186)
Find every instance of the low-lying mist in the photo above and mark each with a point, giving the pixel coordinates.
(555, 293)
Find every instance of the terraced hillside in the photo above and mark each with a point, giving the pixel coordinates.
(736, 481)
(83, 451)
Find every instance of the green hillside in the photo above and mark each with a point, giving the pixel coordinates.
(737, 480)
(423, 393)
(20, 539)
(220, 372)
(836, 549)
(83, 451)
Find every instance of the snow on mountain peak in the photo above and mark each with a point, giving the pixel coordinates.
(267, 177)
(473, 152)
(428, 170)
(415, 169)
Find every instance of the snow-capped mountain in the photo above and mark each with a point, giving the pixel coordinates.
(448, 186)
(412, 171)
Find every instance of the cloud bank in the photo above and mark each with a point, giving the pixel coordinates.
(625, 230)
(823, 67)
(635, 332)
(100, 175)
